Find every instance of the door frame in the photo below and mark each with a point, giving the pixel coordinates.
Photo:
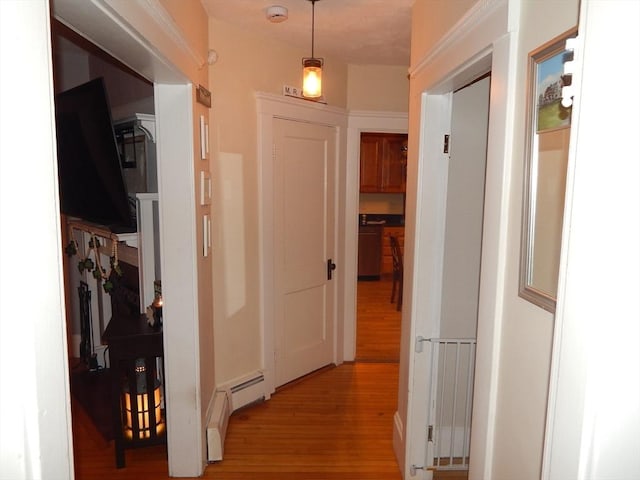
(269, 107)
(174, 65)
(427, 251)
(480, 42)
(303, 149)
(359, 121)
(440, 215)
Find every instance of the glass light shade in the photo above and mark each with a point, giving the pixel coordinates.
(143, 408)
(312, 78)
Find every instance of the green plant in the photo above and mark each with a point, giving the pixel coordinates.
(93, 265)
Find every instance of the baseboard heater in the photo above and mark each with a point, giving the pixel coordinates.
(247, 392)
(217, 427)
(227, 400)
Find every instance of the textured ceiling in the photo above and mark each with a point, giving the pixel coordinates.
(355, 31)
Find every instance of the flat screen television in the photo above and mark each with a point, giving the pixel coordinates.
(91, 181)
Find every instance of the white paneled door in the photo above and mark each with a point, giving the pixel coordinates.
(304, 219)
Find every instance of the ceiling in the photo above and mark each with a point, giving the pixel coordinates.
(361, 32)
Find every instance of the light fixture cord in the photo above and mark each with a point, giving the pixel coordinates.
(313, 23)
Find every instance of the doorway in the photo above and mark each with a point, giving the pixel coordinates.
(382, 180)
(80, 65)
(378, 322)
(77, 61)
(173, 72)
(451, 351)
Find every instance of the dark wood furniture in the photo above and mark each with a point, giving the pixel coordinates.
(398, 272)
(136, 360)
(369, 252)
(383, 162)
(387, 256)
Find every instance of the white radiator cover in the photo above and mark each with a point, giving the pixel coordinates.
(249, 390)
(229, 398)
(217, 427)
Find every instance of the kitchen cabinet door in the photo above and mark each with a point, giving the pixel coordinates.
(370, 163)
(383, 160)
(394, 162)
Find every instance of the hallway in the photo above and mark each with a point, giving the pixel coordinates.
(334, 424)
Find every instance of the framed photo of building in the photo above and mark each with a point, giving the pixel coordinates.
(548, 68)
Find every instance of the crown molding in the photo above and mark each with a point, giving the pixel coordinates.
(480, 13)
(167, 24)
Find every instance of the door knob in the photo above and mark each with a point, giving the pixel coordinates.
(330, 268)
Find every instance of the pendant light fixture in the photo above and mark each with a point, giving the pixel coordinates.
(312, 67)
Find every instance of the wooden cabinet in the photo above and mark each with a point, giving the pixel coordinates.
(387, 259)
(369, 251)
(135, 353)
(383, 162)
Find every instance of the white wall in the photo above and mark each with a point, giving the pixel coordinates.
(378, 88)
(593, 424)
(35, 437)
(525, 355)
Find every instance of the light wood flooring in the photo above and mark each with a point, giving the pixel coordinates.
(333, 424)
(378, 327)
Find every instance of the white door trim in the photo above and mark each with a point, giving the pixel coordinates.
(269, 107)
(35, 437)
(449, 65)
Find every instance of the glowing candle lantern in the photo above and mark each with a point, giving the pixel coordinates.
(142, 408)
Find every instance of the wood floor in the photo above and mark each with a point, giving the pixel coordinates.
(378, 327)
(334, 424)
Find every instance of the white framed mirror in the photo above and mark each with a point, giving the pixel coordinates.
(547, 150)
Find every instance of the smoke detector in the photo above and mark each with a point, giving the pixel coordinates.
(277, 14)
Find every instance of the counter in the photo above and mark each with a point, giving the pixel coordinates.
(381, 219)
(374, 249)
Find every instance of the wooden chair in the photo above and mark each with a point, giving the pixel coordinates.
(398, 272)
